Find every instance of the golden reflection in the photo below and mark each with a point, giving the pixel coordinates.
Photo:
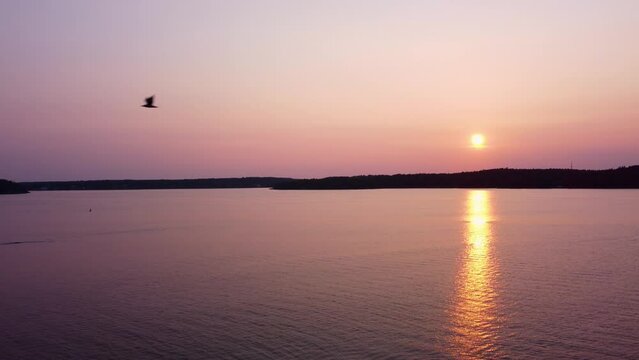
(474, 322)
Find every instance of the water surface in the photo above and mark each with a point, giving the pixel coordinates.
(374, 274)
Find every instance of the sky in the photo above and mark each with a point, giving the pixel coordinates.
(314, 89)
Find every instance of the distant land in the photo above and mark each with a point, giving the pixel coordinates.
(224, 183)
(620, 178)
(9, 187)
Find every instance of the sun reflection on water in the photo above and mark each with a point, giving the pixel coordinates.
(474, 322)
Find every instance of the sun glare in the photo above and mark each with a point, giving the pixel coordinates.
(477, 141)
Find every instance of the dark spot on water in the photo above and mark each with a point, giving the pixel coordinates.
(25, 242)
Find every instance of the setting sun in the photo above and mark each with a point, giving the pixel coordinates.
(477, 141)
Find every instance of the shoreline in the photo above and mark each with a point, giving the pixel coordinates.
(504, 178)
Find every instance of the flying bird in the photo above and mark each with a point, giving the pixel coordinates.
(149, 102)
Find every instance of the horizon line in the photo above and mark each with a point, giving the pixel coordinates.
(330, 176)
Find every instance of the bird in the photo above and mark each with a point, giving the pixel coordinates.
(149, 102)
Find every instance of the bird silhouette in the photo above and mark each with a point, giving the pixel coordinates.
(149, 102)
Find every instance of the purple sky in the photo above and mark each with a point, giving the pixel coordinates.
(291, 88)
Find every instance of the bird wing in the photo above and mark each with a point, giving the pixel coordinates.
(149, 100)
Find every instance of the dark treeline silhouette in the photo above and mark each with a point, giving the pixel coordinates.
(620, 178)
(246, 182)
(9, 187)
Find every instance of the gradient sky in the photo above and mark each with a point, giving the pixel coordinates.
(309, 89)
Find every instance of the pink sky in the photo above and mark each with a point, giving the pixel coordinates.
(289, 88)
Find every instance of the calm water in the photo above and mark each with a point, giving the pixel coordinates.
(261, 274)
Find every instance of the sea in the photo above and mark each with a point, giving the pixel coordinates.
(347, 274)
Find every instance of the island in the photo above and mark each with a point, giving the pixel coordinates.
(619, 178)
(10, 187)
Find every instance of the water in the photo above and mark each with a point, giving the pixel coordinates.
(262, 274)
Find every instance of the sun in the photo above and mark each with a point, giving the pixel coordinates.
(477, 141)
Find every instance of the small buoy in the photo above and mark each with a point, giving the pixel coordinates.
(90, 209)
